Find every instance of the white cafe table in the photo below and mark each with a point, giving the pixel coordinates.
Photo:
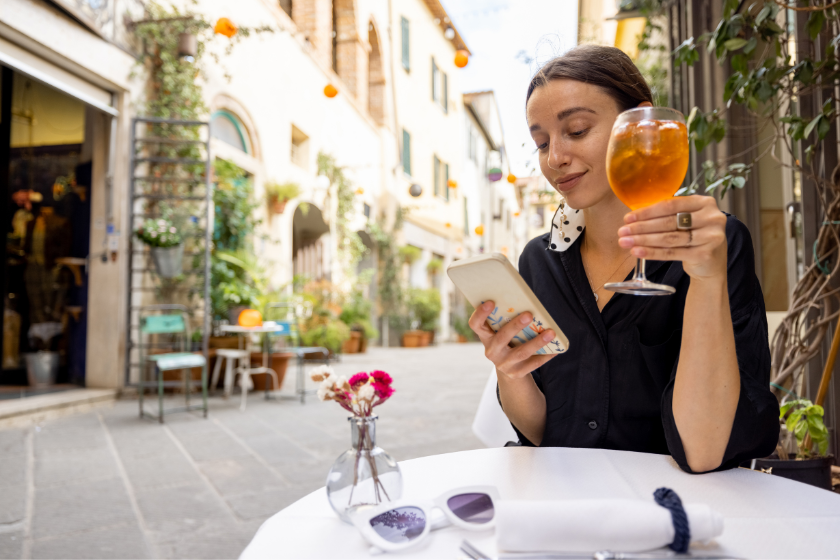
(765, 516)
(245, 333)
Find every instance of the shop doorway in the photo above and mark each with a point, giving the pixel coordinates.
(46, 162)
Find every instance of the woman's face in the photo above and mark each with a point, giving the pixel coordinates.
(570, 123)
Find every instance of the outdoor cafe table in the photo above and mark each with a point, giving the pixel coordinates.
(245, 333)
(765, 516)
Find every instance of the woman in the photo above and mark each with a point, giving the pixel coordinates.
(686, 374)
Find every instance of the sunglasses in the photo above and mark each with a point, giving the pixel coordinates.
(398, 525)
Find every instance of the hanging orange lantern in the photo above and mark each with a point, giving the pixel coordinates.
(330, 91)
(360, 190)
(479, 229)
(452, 184)
(250, 318)
(516, 214)
(225, 27)
(511, 178)
(462, 58)
(448, 224)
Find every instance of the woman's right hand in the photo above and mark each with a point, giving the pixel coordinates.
(513, 362)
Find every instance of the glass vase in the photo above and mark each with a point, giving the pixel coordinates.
(365, 474)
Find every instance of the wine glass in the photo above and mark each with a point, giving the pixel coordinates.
(646, 162)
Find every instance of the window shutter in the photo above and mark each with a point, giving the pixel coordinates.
(446, 180)
(445, 93)
(436, 172)
(405, 53)
(406, 152)
(434, 80)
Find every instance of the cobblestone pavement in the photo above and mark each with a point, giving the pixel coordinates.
(107, 485)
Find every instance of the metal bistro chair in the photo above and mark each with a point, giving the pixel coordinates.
(156, 322)
(290, 328)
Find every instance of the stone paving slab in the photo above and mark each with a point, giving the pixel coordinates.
(106, 484)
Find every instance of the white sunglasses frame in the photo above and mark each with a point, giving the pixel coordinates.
(361, 519)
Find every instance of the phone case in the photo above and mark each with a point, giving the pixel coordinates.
(492, 277)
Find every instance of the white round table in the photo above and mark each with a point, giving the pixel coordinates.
(765, 516)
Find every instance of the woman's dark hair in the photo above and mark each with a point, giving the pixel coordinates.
(606, 67)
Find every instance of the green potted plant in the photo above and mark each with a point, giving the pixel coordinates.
(461, 326)
(165, 243)
(356, 314)
(434, 266)
(409, 253)
(424, 308)
(322, 327)
(278, 194)
(809, 464)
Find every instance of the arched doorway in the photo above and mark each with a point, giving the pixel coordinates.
(310, 250)
(376, 77)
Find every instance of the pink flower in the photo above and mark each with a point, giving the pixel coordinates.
(358, 379)
(381, 377)
(383, 391)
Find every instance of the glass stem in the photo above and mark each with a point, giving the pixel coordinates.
(640, 271)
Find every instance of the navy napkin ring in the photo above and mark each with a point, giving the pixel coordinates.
(668, 499)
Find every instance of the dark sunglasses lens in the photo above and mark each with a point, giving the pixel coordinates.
(400, 524)
(472, 508)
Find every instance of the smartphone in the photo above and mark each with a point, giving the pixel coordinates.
(492, 277)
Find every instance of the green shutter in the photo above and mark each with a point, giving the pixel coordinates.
(445, 93)
(405, 53)
(446, 180)
(406, 152)
(437, 175)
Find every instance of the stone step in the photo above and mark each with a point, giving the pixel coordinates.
(31, 410)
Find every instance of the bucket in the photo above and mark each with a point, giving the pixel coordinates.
(816, 472)
(41, 368)
(169, 261)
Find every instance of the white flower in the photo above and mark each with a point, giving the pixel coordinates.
(365, 392)
(172, 229)
(161, 222)
(153, 234)
(325, 390)
(321, 372)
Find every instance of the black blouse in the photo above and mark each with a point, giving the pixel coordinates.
(613, 388)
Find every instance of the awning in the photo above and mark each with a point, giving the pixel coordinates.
(49, 74)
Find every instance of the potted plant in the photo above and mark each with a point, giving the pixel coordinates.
(462, 329)
(434, 266)
(805, 421)
(356, 314)
(409, 253)
(322, 327)
(166, 245)
(424, 308)
(278, 194)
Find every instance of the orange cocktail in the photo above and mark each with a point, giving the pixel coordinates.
(647, 161)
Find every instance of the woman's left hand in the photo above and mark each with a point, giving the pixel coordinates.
(651, 233)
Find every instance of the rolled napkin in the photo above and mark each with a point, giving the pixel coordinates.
(593, 525)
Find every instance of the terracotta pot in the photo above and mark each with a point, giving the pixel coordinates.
(353, 344)
(278, 206)
(278, 361)
(425, 338)
(363, 342)
(412, 339)
(462, 339)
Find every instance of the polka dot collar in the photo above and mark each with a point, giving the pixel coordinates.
(566, 227)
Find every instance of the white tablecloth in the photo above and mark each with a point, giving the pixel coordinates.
(766, 516)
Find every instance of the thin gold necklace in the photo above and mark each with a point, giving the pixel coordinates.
(595, 291)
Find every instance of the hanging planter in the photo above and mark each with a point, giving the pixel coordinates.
(169, 261)
(277, 195)
(166, 245)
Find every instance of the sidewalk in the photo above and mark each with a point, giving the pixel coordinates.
(105, 484)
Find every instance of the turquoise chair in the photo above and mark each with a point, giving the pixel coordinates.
(165, 326)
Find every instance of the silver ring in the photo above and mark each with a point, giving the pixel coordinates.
(683, 220)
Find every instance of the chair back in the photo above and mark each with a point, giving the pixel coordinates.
(168, 319)
(285, 315)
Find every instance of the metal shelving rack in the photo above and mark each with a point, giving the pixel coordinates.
(178, 187)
